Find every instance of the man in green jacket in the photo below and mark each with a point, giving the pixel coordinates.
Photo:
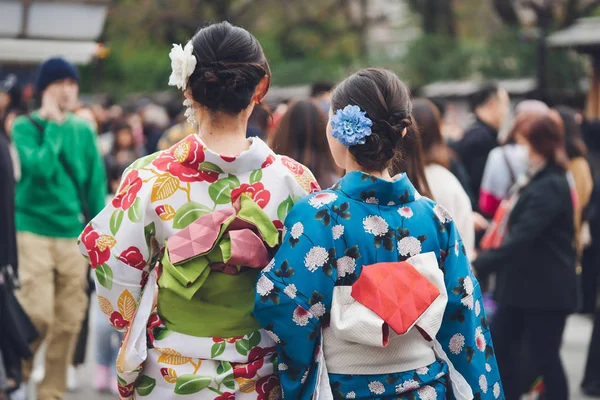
(63, 179)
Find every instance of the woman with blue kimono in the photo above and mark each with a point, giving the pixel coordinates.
(370, 294)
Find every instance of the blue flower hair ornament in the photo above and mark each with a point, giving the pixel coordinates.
(351, 126)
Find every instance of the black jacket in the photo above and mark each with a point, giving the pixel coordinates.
(473, 150)
(8, 243)
(535, 264)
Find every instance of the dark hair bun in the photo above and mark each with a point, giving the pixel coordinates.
(230, 64)
(386, 101)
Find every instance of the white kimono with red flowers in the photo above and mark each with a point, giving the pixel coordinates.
(161, 194)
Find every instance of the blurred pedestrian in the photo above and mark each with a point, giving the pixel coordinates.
(491, 106)
(301, 136)
(445, 187)
(505, 164)
(536, 286)
(320, 92)
(155, 120)
(63, 180)
(122, 154)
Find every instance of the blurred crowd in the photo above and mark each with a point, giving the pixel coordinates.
(489, 178)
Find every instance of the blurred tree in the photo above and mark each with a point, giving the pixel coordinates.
(560, 13)
(437, 16)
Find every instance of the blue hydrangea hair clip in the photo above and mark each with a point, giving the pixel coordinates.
(351, 126)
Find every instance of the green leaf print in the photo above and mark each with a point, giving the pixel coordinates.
(149, 233)
(105, 276)
(188, 213)
(224, 367)
(190, 383)
(229, 382)
(256, 176)
(217, 349)
(284, 208)
(210, 167)
(220, 191)
(135, 211)
(115, 221)
(242, 346)
(254, 339)
(145, 385)
(160, 333)
(121, 381)
(143, 162)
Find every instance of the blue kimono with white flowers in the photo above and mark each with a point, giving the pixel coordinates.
(330, 237)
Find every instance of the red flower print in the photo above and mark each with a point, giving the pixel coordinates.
(229, 158)
(97, 246)
(270, 160)
(256, 192)
(183, 162)
(228, 340)
(256, 360)
(226, 396)
(144, 279)
(154, 321)
(314, 187)
(117, 320)
(268, 388)
(126, 391)
(133, 257)
(292, 165)
(131, 185)
(278, 224)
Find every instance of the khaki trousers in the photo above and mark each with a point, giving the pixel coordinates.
(53, 280)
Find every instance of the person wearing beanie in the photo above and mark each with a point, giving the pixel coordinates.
(62, 184)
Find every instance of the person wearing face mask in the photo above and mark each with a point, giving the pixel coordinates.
(62, 183)
(536, 284)
(506, 163)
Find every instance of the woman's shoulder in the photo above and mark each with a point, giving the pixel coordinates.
(301, 174)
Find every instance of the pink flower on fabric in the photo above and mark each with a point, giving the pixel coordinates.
(301, 316)
(457, 343)
(405, 212)
(131, 185)
(480, 339)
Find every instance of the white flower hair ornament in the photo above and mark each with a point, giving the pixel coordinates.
(183, 64)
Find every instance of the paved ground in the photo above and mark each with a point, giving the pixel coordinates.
(574, 352)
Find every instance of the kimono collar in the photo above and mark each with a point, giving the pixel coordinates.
(369, 189)
(249, 160)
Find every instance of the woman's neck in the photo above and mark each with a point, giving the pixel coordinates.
(224, 134)
(385, 174)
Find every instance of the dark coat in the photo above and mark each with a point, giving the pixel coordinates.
(8, 242)
(535, 265)
(473, 150)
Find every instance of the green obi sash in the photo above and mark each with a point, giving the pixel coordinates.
(209, 271)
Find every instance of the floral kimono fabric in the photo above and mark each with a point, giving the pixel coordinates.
(371, 296)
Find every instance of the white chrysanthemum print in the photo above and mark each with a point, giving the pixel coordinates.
(273, 336)
(405, 212)
(304, 377)
(427, 393)
(468, 301)
(457, 343)
(315, 258)
(409, 246)
(423, 371)
(442, 214)
(456, 248)
(376, 387)
(488, 367)
(477, 308)
(264, 286)
(351, 395)
(297, 230)
(372, 200)
(439, 376)
(375, 225)
(282, 367)
(496, 390)
(468, 285)
(290, 291)
(391, 203)
(301, 316)
(269, 266)
(345, 266)
(479, 339)
(483, 385)
(318, 310)
(407, 386)
(338, 231)
(322, 199)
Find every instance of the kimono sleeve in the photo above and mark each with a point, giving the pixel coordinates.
(294, 298)
(464, 336)
(120, 246)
